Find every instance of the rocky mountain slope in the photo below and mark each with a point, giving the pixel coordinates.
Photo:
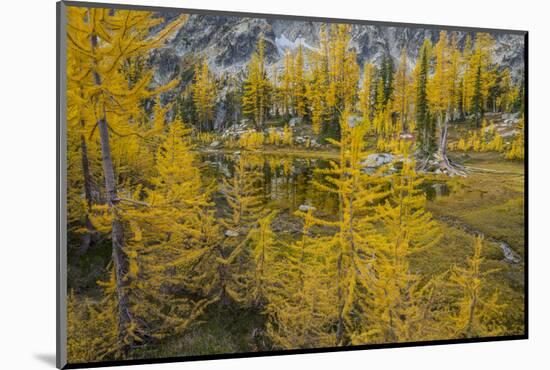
(228, 42)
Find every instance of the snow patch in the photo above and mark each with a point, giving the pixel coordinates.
(283, 43)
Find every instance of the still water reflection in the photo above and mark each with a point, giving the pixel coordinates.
(286, 181)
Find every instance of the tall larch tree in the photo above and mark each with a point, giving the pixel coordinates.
(256, 87)
(165, 240)
(286, 85)
(243, 193)
(315, 93)
(105, 39)
(357, 192)
(351, 82)
(478, 313)
(440, 98)
(399, 302)
(204, 95)
(261, 275)
(298, 84)
(301, 310)
(366, 94)
(454, 76)
(79, 155)
(343, 74)
(467, 75)
(401, 99)
(508, 92)
(482, 74)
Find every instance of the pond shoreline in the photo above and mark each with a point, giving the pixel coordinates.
(324, 154)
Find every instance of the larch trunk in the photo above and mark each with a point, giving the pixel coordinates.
(120, 259)
(444, 127)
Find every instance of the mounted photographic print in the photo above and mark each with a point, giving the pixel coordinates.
(234, 184)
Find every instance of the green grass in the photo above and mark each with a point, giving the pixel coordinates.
(491, 161)
(491, 203)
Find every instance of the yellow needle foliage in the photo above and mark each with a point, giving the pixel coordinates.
(402, 92)
(517, 148)
(135, 184)
(299, 87)
(251, 140)
(204, 94)
(245, 203)
(256, 87)
(478, 313)
(404, 228)
(287, 138)
(106, 93)
(366, 95)
(357, 193)
(315, 93)
(262, 241)
(167, 238)
(273, 136)
(300, 305)
(286, 85)
(92, 333)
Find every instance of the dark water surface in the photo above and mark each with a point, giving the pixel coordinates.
(286, 181)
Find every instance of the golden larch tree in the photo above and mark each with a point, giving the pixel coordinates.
(256, 87)
(103, 40)
(204, 94)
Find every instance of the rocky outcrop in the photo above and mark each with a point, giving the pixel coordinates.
(228, 42)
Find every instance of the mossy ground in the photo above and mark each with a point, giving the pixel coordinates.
(492, 204)
(224, 329)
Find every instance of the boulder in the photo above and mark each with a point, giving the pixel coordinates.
(506, 116)
(406, 136)
(300, 139)
(294, 121)
(510, 116)
(305, 208)
(509, 255)
(378, 159)
(231, 233)
(215, 144)
(508, 133)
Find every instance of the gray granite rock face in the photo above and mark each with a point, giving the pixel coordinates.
(229, 42)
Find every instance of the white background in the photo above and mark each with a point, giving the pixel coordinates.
(27, 182)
